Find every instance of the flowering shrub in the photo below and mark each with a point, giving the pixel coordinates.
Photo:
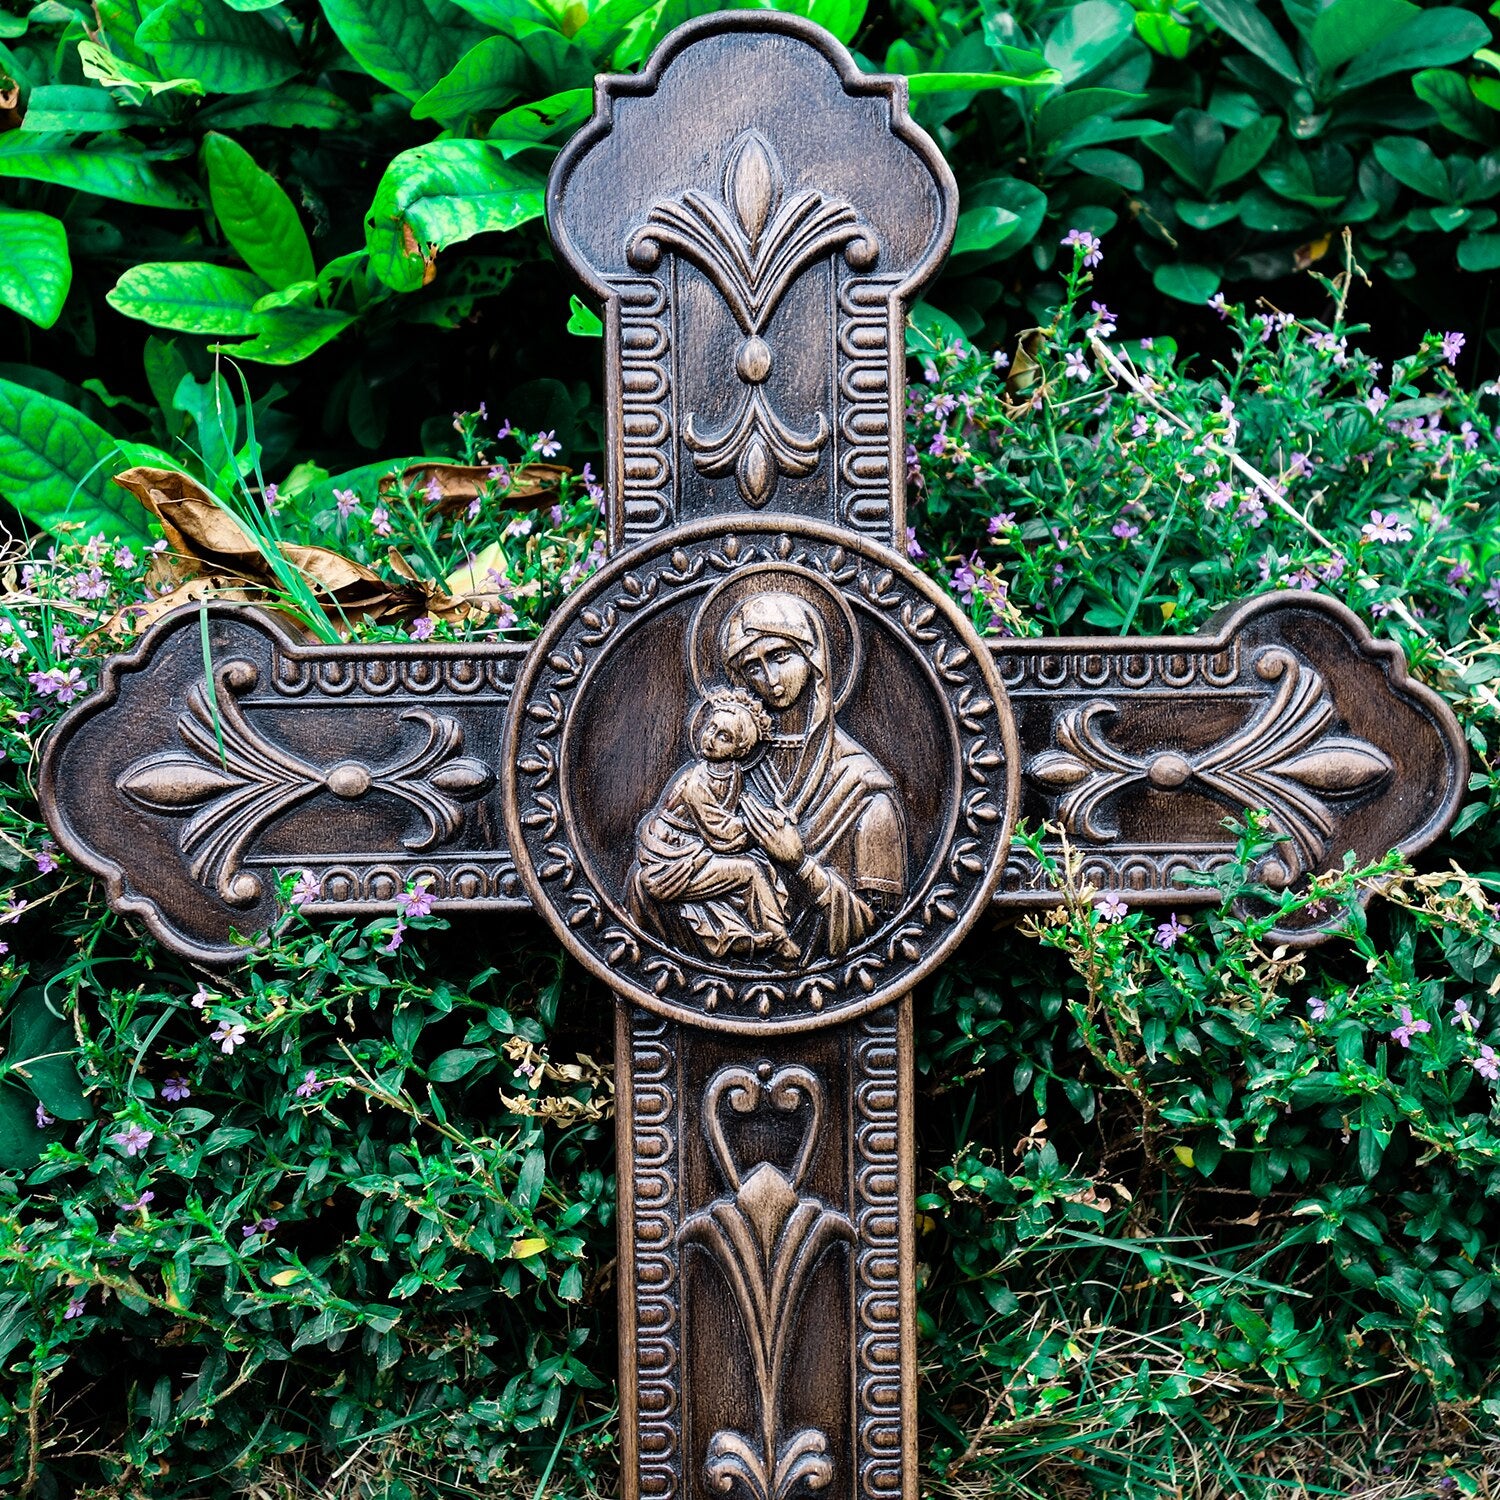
(1194, 1212)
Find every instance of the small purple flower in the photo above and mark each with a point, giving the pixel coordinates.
(420, 629)
(133, 1139)
(1491, 595)
(1385, 528)
(258, 1226)
(1124, 530)
(914, 548)
(201, 997)
(416, 902)
(1078, 366)
(380, 519)
(1453, 344)
(1408, 1027)
(1317, 1008)
(1219, 496)
(1219, 305)
(547, 445)
(1469, 436)
(397, 937)
(1251, 511)
(1001, 521)
(43, 1119)
(305, 890)
(310, 1085)
(12, 912)
(46, 859)
(1111, 908)
(75, 1308)
(1081, 239)
(1460, 573)
(1487, 1065)
(1376, 400)
(1300, 465)
(175, 1089)
(124, 558)
(938, 445)
(1462, 1015)
(964, 580)
(229, 1035)
(1169, 931)
(131, 1208)
(346, 502)
(91, 585)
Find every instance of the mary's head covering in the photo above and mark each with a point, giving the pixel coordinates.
(795, 622)
(782, 617)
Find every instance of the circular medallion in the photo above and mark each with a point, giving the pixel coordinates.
(760, 776)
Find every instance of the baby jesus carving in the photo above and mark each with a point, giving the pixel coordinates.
(694, 851)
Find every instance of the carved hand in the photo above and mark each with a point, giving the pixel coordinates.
(774, 831)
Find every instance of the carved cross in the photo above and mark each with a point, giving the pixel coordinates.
(759, 773)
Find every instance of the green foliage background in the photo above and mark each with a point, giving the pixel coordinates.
(1194, 1214)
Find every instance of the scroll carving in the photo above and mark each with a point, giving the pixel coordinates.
(233, 782)
(1282, 760)
(767, 1238)
(752, 246)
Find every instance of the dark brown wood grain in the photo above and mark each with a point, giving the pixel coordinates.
(759, 774)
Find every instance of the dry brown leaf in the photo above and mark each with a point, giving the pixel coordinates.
(210, 546)
(532, 486)
(10, 97)
(1020, 383)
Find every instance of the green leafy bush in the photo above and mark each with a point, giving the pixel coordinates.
(1193, 1212)
(346, 195)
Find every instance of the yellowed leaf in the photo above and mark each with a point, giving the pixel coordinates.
(524, 1249)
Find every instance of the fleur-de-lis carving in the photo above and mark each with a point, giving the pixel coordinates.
(767, 1238)
(234, 782)
(752, 246)
(1282, 761)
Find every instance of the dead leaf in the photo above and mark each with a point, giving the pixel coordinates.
(10, 97)
(1025, 372)
(1311, 252)
(532, 486)
(210, 547)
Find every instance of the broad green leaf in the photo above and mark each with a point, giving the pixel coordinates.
(982, 229)
(285, 335)
(583, 321)
(55, 466)
(1164, 34)
(131, 80)
(1192, 149)
(842, 17)
(547, 119)
(1431, 40)
(487, 76)
(21, 1142)
(502, 15)
(1249, 27)
(456, 1063)
(1113, 166)
(1480, 252)
(108, 170)
(1414, 163)
(289, 105)
(1186, 282)
(192, 296)
(436, 195)
(35, 271)
(72, 107)
(1087, 35)
(256, 215)
(920, 84)
(1065, 111)
(252, 4)
(227, 51)
(1102, 128)
(1454, 103)
(400, 42)
(1349, 27)
(44, 1046)
(1245, 151)
(1024, 201)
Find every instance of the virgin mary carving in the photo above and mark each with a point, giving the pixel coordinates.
(782, 840)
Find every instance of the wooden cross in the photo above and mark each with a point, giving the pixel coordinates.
(759, 773)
